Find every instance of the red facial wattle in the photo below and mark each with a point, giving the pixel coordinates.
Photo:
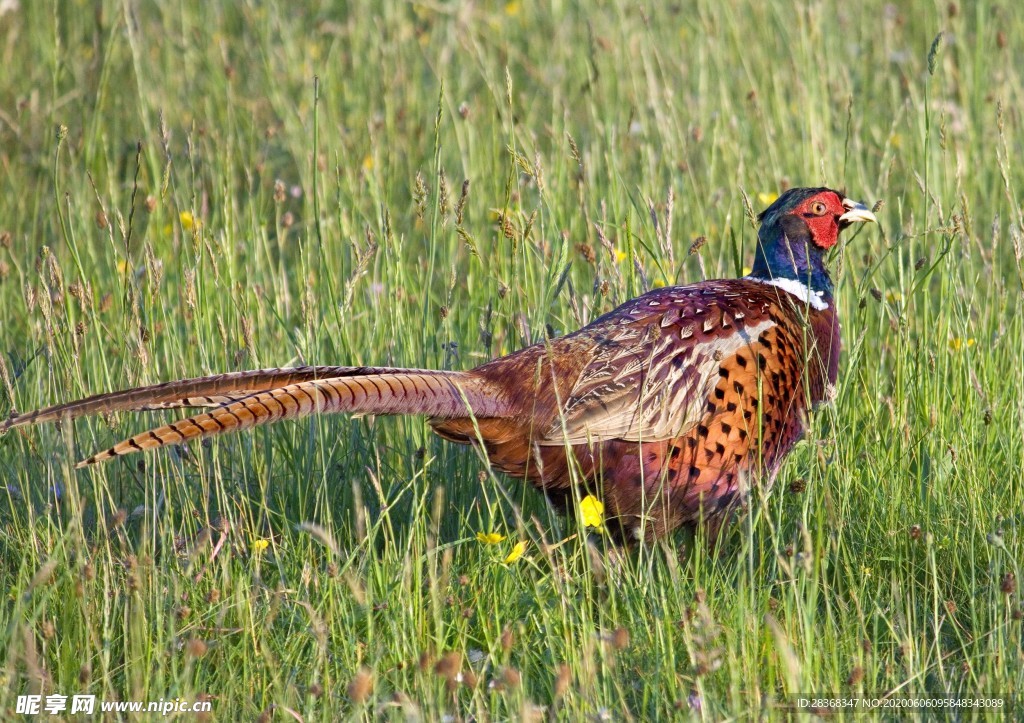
(824, 230)
(821, 213)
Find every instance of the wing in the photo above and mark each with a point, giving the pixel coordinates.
(657, 361)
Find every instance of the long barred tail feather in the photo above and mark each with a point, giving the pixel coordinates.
(241, 400)
(213, 400)
(275, 395)
(437, 394)
(210, 391)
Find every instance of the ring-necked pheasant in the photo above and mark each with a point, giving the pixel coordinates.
(670, 406)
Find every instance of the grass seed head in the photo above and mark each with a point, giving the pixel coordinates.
(443, 194)
(361, 687)
(425, 661)
(420, 196)
(511, 678)
(563, 678)
(460, 207)
(449, 666)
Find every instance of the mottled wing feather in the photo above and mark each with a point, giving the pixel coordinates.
(603, 403)
(653, 370)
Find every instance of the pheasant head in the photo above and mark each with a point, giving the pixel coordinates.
(796, 232)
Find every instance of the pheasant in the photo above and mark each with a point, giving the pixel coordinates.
(668, 408)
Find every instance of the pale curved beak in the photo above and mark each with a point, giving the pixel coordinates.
(856, 212)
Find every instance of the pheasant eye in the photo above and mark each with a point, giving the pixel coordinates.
(818, 208)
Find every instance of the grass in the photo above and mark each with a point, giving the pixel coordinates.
(181, 197)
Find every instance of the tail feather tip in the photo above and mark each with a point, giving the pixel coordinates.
(88, 461)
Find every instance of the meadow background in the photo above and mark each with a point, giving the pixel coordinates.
(179, 197)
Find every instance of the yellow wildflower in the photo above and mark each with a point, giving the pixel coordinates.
(512, 8)
(747, 271)
(259, 544)
(368, 163)
(489, 538)
(956, 343)
(620, 256)
(767, 199)
(592, 511)
(659, 283)
(517, 552)
(865, 571)
(188, 221)
(893, 297)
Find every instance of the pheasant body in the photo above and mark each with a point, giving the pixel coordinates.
(689, 392)
(668, 407)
